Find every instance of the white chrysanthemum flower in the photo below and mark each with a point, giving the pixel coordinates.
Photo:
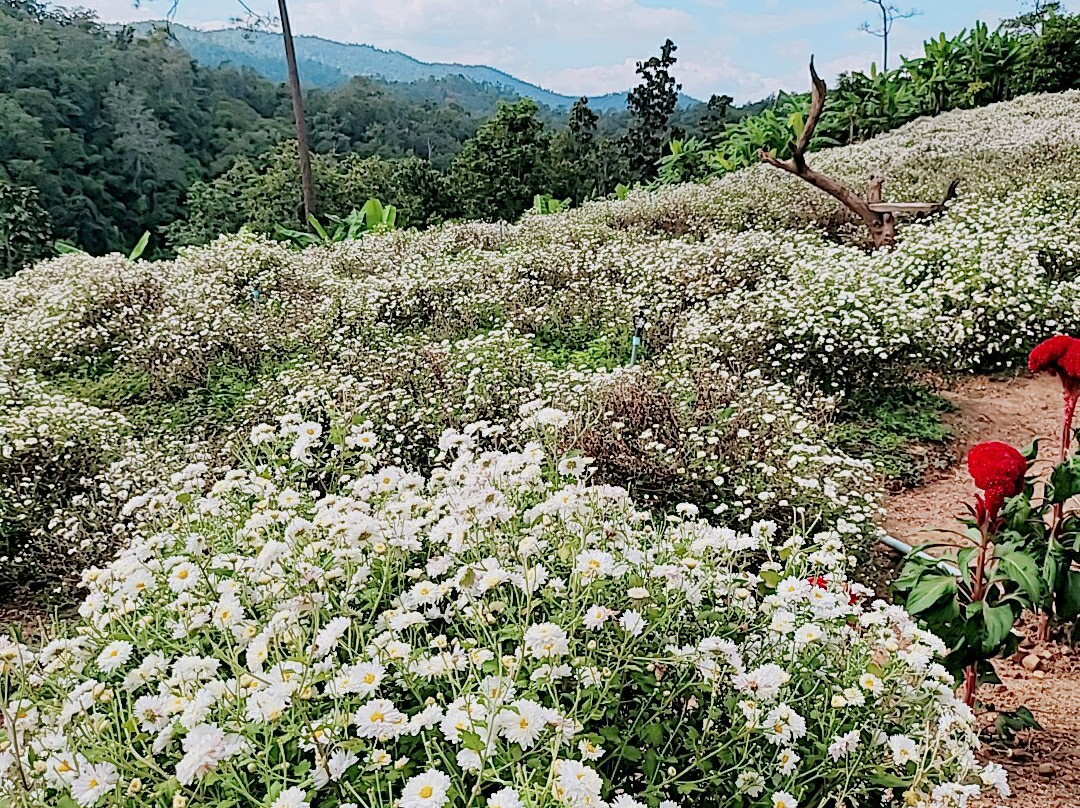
(427, 790)
(292, 797)
(95, 780)
(632, 622)
(904, 749)
(379, 719)
(114, 656)
(505, 798)
(205, 746)
(782, 799)
(546, 640)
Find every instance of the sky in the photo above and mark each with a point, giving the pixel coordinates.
(745, 48)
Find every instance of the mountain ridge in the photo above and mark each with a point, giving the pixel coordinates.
(326, 62)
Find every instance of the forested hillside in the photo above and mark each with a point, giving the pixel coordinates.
(325, 63)
(105, 135)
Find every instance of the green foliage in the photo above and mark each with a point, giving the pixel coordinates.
(897, 428)
(1008, 724)
(374, 217)
(741, 143)
(504, 165)
(688, 160)
(978, 66)
(24, 228)
(111, 130)
(264, 194)
(370, 118)
(975, 629)
(140, 247)
(1023, 561)
(1054, 61)
(584, 163)
(544, 204)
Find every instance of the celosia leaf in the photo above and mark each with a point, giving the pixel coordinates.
(928, 591)
(999, 622)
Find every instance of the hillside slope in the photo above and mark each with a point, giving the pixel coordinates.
(761, 314)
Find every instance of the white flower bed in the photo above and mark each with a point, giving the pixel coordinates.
(752, 337)
(499, 633)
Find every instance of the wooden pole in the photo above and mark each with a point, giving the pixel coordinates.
(302, 144)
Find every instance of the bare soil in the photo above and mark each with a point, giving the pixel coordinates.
(1043, 765)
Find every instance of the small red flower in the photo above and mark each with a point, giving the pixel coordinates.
(1060, 356)
(1000, 471)
(818, 581)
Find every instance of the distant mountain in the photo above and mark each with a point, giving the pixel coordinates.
(325, 63)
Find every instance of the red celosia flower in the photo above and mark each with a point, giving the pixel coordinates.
(1061, 356)
(1000, 471)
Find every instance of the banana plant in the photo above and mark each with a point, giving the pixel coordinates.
(378, 217)
(545, 204)
(687, 161)
(373, 217)
(66, 248)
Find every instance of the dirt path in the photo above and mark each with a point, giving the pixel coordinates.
(1015, 411)
(1044, 768)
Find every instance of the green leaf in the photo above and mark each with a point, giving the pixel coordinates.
(140, 248)
(883, 778)
(318, 228)
(928, 591)
(1023, 570)
(1068, 596)
(470, 740)
(999, 622)
(652, 734)
(63, 248)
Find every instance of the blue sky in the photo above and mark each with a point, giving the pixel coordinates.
(747, 48)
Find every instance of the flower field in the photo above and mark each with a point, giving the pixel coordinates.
(397, 522)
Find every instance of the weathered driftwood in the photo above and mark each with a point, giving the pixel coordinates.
(878, 216)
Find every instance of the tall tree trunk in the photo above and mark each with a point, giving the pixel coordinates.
(885, 38)
(303, 146)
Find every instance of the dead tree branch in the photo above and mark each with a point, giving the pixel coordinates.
(878, 216)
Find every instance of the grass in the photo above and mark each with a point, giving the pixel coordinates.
(900, 429)
(211, 403)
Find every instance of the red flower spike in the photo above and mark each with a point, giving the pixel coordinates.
(1000, 471)
(1060, 356)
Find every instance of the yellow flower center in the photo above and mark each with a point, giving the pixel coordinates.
(426, 792)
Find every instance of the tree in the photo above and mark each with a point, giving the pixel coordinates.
(24, 229)
(889, 15)
(714, 120)
(576, 167)
(1054, 60)
(651, 105)
(307, 184)
(504, 165)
